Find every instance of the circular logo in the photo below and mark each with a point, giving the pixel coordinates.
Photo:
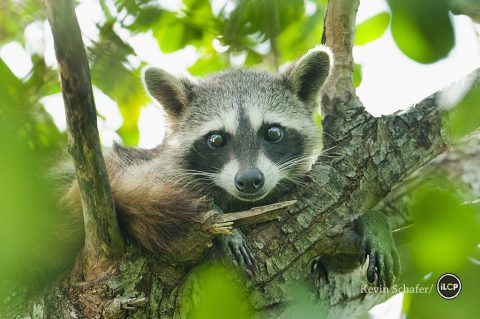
(448, 286)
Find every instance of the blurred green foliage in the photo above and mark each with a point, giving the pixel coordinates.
(303, 304)
(357, 74)
(21, 110)
(372, 28)
(422, 29)
(445, 238)
(216, 291)
(446, 231)
(464, 118)
(432, 306)
(15, 16)
(37, 241)
(264, 33)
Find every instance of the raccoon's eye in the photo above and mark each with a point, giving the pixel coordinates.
(216, 140)
(274, 134)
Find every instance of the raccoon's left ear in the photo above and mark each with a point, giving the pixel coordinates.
(307, 75)
(172, 92)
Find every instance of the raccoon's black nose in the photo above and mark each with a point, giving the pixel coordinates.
(249, 180)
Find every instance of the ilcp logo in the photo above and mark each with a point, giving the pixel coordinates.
(449, 286)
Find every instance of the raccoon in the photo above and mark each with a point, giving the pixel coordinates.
(241, 138)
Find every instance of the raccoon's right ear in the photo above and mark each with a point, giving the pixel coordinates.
(307, 75)
(173, 93)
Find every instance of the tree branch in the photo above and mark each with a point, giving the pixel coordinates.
(339, 34)
(103, 240)
(371, 156)
(193, 246)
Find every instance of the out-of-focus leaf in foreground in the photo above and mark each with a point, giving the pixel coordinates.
(216, 291)
(357, 74)
(303, 303)
(432, 306)
(30, 247)
(21, 110)
(445, 238)
(31, 251)
(464, 118)
(113, 74)
(422, 28)
(372, 28)
(208, 64)
(446, 231)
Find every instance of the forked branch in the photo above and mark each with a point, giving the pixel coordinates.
(103, 240)
(339, 35)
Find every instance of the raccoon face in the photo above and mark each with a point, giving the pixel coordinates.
(249, 162)
(245, 134)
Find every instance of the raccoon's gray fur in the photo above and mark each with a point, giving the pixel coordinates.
(241, 137)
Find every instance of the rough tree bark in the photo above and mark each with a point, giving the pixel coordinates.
(103, 240)
(367, 157)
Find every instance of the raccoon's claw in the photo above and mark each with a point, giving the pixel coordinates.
(236, 246)
(383, 266)
(378, 245)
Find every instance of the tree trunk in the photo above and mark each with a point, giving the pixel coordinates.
(367, 158)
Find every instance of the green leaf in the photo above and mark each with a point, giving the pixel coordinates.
(446, 232)
(170, 33)
(302, 302)
(208, 64)
(443, 239)
(11, 87)
(215, 291)
(301, 35)
(15, 16)
(253, 58)
(112, 74)
(422, 29)
(146, 19)
(357, 74)
(464, 118)
(372, 28)
(30, 217)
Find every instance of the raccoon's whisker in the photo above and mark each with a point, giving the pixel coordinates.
(293, 162)
(209, 174)
(195, 174)
(329, 149)
(187, 179)
(323, 164)
(204, 157)
(296, 180)
(196, 184)
(201, 187)
(192, 174)
(287, 157)
(286, 162)
(329, 156)
(330, 135)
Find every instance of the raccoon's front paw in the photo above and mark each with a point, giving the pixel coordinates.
(378, 245)
(383, 262)
(236, 249)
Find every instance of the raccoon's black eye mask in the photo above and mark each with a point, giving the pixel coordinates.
(272, 134)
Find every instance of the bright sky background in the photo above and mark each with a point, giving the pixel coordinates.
(391, 81)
